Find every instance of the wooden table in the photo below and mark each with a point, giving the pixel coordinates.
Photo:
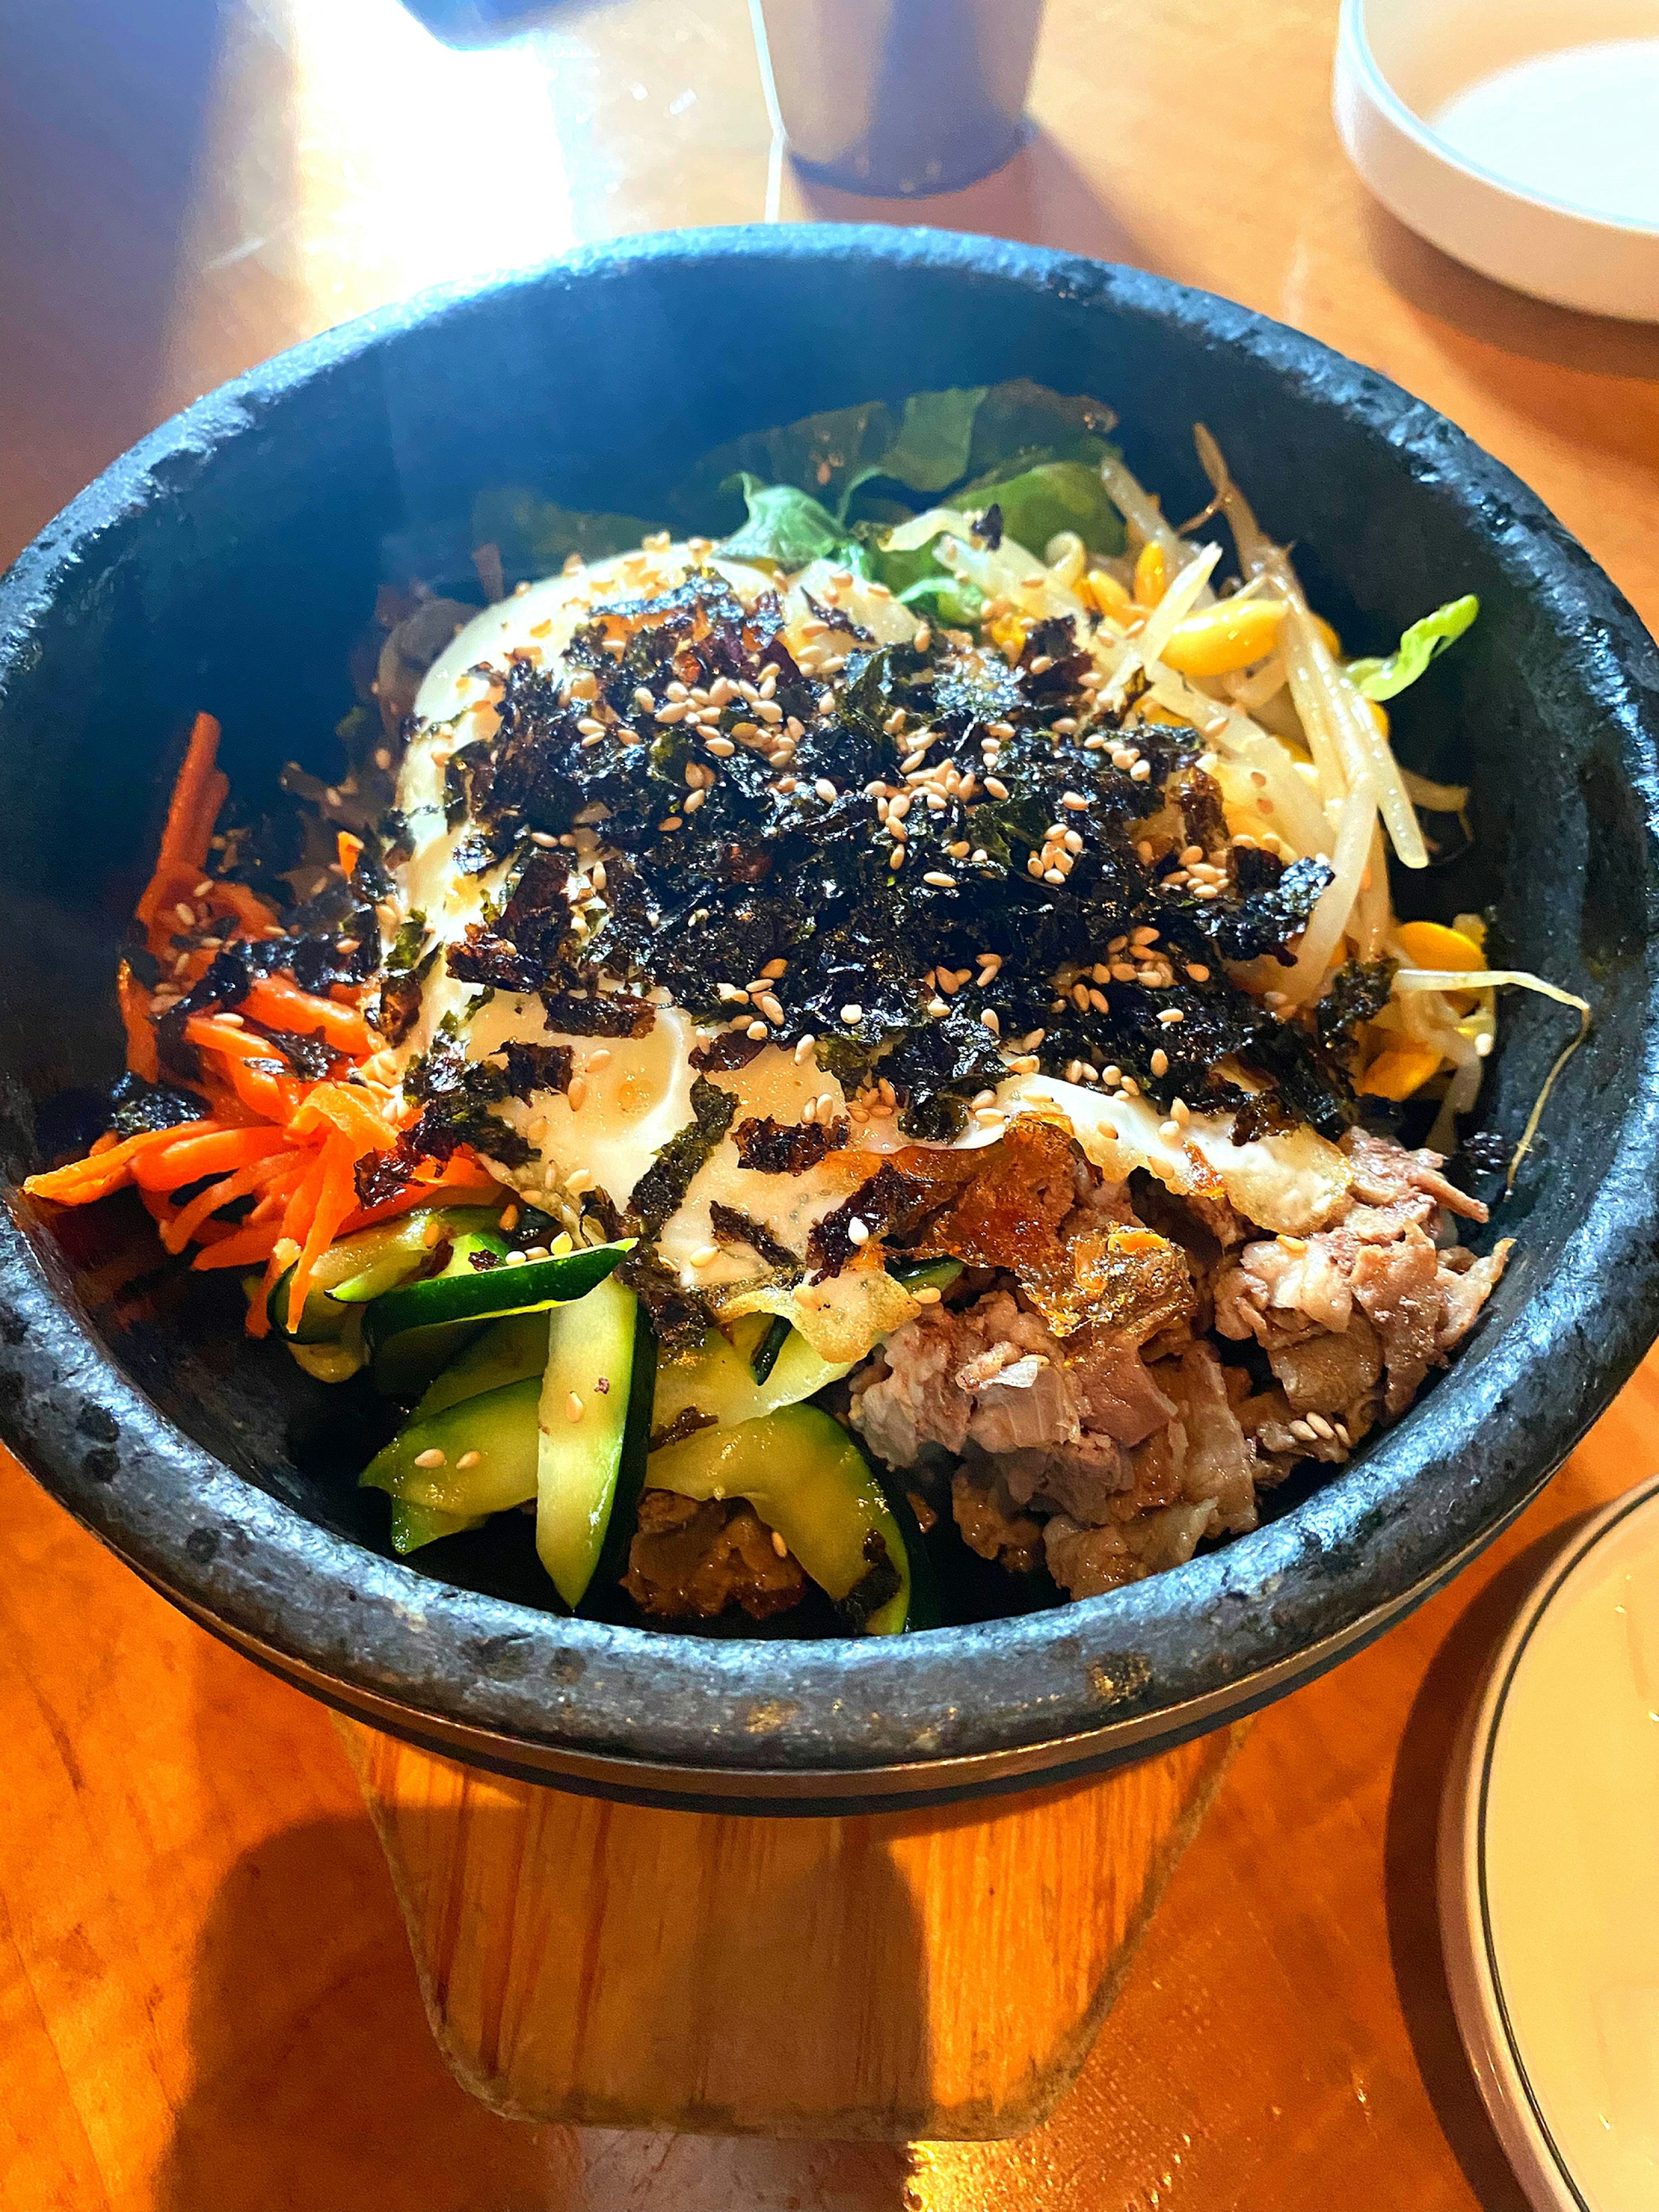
(205, 1995)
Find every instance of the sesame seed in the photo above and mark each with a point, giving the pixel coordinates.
(431, 1458)
(544, 838)
(769, 1006)
(928, 1295)
(590, 728)
(1320, 1426)
(895, 858)
(858, 1231)
(1074, 799)
(825, 790)
(1171, 1016)
(986, 1115)
(705, 1256)
(804, 1050)
(643, 700)
(939, 879)
(1053, 876)
(469, 1458)
(1000, 729)
(1301, 1433)
(577, 1093)
(598, 1058)
(1141, 771)
(1160, 1062)
(572, 1407)
(990, 1020)
(431, 1233)
(755, 1030)
(672, 822)
(693, 800)
(1199, 974)
(852, 1016)
(510, 1217)
(515, 1259)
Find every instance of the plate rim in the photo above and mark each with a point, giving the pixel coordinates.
(1474, 1975)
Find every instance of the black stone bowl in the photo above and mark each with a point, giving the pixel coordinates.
(227, 562)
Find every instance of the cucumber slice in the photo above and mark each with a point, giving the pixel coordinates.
(924, 1274)
(415, 1525)
(602, 1364)
(806, 1478)
(766, 1351)
(498, 1426)
(410, 1333)
(506, 1351)
(721, 1379)
(375, 1261)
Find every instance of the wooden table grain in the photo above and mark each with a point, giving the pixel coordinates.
(205, 1995)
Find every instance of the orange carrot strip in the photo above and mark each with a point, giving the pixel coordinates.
(134, 1002)
(174, 1165)
(177, 1233)
(273, 1098)
(256, 917)
(283, 1005)
(243, 1248)
(344, 1107)
(461, 1181)
(197, 796)
(335, 1199)
(84, 1180)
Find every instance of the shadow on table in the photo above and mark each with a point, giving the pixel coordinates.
(1419, 1775)
(1039, 198)
(315, 2080)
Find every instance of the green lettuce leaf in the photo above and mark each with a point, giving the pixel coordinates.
(1054, 496)
(824, 455)
(784, 524)
(537, 537)
(1421, 643)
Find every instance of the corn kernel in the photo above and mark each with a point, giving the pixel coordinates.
(1111, 597)
(1228, 636)
(1399, 1070)
(1149, 575)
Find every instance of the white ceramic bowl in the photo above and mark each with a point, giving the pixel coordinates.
(1549, 1874)
(1519, 136)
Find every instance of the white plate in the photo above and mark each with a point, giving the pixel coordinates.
(1549, 1874)
(1519, 136)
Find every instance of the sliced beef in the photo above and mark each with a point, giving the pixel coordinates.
(690, 1561)
(1088, 1561)
(989, 1522)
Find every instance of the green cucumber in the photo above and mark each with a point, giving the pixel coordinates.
(924, 1274)
(806, 1478)
(595, 1428)
(412, 1333)
(506, 1351)
(765, 1356)
(495, 1432)
(721, 1381)
(375, 1261)
(415, 1525)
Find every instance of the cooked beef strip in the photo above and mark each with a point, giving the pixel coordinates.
(690, 1561)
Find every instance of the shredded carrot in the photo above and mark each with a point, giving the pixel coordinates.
(463, 1183)
(171, 1166)
(134, 1002)
(345, 1107)
(289, 1144)
(283, 1005)
(243, 1248)
(176, 1234)
(83, 1180)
